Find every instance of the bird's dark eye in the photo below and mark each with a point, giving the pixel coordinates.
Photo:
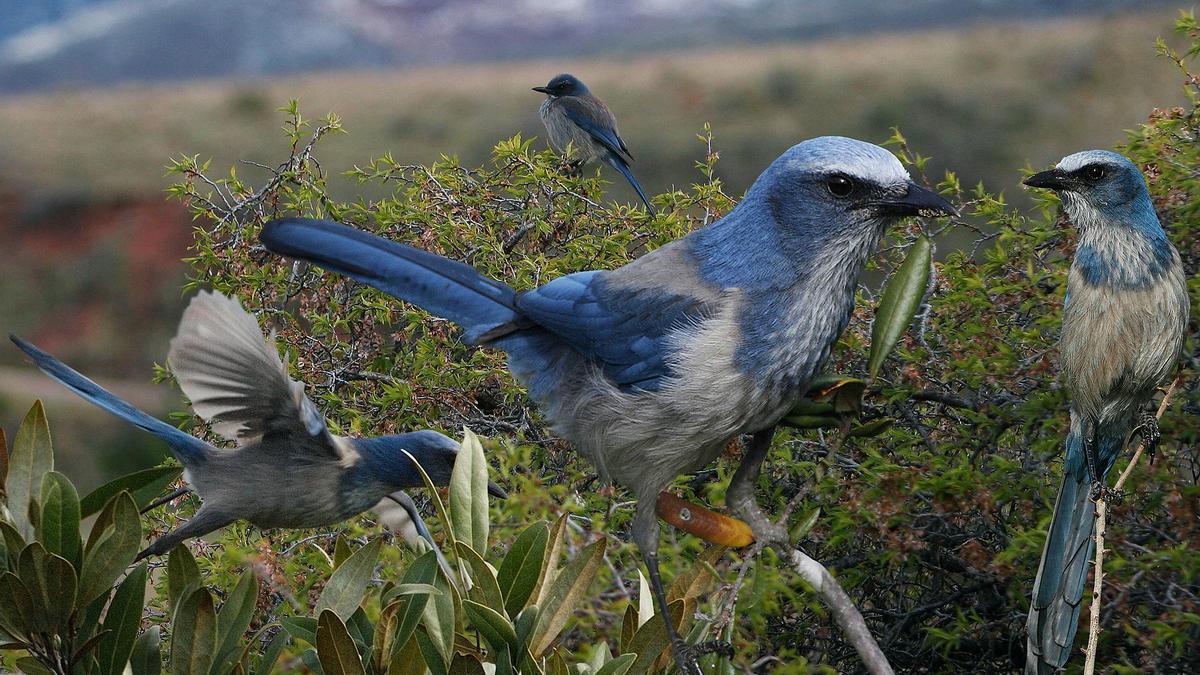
(1093, 172)
(840, 186)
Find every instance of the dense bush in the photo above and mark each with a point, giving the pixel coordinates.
(934, 525)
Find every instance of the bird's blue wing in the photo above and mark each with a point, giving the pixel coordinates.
(593, 117)
(625, 329)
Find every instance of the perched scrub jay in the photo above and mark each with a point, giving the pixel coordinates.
(1123, 323)
(288, 469)
(573, 115)
(652, 368)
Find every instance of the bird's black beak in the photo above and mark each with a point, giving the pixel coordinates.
(496, 491)
(542, 90)
(917, 201)
(1054, 179)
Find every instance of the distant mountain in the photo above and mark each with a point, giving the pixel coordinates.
(81, 43)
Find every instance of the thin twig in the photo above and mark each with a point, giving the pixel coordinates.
(1089, 666)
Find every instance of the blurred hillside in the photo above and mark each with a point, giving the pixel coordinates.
(89, 43)
(93, 272)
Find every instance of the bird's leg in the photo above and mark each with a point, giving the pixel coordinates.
(645, 535)
(163, 500)
(1148, 429)
(205, 521)
(1097, 490)
(740, 495)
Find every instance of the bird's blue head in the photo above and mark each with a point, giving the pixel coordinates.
(563, 85)
(824, 191)
(1099, 187)
(384, 458)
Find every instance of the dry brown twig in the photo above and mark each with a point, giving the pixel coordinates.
(1089, 666)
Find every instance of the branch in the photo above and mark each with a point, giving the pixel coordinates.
(845, 614)
(1089, 666)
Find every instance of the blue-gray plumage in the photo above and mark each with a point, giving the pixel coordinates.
(652, 368)
(573, 116)
(1123, 324)
(288, 469)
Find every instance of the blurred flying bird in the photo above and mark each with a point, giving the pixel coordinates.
(287, 470)
(574, 116)
(650, 369)
(1123, 323)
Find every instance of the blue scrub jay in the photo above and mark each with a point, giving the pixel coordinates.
(573, 115)
(652, 368)
(1123, 324)
(288, 469)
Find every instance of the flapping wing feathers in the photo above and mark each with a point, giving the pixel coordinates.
(234, 376)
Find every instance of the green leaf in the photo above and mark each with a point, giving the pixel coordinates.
(407, 659)
(411, 608)
(550, 558)
(13, 544)
(651, 639)
(434, 497)
(439, 618)
(144, 486)
(19, 617)
(193, 634)
(565, 594)
(618, 666)
(146, 658)
(805, 526)
(233, 620)
(435, 661)
(3, 460)
(485, 590)
(335, 647)
(183, 575)
(301, 628)
(901, 298)
(58, 525)
(52, 586)
(122, 621)
(345, 589)
(494, 627)
(468, 493)
(519, 572)
(872, 428)
(341, 551)
(111, 553)
(32, 457)
(31, 666)
(266, 661)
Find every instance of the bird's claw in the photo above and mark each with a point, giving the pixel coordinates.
(1100, 491)
(1148, 430)
(687, 656)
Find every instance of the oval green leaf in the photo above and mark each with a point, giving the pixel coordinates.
(901, 298)
(345, 589)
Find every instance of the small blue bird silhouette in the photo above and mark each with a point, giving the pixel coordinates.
(575, 117)
(288, 469)
(651, 369)
(1122, 331)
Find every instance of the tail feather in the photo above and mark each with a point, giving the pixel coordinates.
(444, 287)
(621, 165)
(187, 448)
(1062, 574)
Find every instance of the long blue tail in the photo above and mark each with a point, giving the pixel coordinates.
(449, 289)
(444, 287)
(186, 448)
(1059, 586)
(621, 165)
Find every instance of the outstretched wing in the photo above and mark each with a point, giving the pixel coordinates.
(236, 380)
(591, 115)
